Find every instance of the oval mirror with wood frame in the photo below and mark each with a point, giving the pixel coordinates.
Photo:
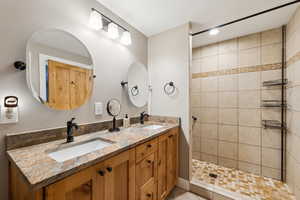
(60, 69)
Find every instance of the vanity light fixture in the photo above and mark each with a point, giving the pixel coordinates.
(95, 20)
(113, 31)
(126, 38)
(100, 21)
(214, 31)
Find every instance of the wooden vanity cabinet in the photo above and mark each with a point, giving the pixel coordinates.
(146, 172)
(157, 167)
(79, 186)
(112, 179)
(19, 188)
(167, 163)
(115, 178)
(172, 159)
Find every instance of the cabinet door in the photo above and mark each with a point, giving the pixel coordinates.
(19, 189)
(172, 159)
(76, 187)
(146, 178)
(116, 177)
(148, 191)
(162, 189)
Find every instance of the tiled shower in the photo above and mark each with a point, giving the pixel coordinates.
(227, 93)
(230, 101)
(293, 104)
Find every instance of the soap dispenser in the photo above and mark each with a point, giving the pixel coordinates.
(126, 121)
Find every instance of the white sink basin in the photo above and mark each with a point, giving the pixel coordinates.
(153, 127)
(76, 150)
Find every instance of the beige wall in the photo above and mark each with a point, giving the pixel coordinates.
(19, 20)
(169, 60)
(226, 97)
(293, 112)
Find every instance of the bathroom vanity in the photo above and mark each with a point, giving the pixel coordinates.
(135, 163)
(139, 163)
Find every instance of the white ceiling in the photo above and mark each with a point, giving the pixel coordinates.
(259, 23)
(155, 16)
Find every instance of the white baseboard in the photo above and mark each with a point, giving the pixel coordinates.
(183, 183)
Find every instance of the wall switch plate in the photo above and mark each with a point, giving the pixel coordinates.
(98, 108)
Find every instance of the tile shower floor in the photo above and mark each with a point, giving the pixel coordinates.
(237, 184)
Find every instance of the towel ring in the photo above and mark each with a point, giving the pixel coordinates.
(135, 91)
(171, 85)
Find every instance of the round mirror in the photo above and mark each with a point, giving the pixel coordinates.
(114, 109)
(60, 69)
(138, 84)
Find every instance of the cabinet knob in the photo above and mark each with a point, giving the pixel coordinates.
(109, 169)
(148, 195)
(149, 161)
(101, 173)
(170, 136)
(149, 145)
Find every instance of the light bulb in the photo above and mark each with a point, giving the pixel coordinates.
(126, 38)
(214, 31)
(95, 20)
(113, 31)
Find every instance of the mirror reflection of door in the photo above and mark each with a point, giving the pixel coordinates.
(68, 86)
(60, 69)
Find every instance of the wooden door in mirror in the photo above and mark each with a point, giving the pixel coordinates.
(69, 86)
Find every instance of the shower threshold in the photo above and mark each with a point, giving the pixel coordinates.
(209, 179)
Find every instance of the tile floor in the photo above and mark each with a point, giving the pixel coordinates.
(238, 184)
(180, 194)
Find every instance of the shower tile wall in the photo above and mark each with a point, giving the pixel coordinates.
(226, 96)
(293, 100)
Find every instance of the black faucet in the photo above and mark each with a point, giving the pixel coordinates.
(142, 116)
(70, 125)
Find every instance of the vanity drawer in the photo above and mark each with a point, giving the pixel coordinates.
(146, 149)
(146, 170)
(148, 191)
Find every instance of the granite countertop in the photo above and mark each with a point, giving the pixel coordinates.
(40, 170)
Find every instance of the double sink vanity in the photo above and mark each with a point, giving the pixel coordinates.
(103, 162)
(136, 163)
